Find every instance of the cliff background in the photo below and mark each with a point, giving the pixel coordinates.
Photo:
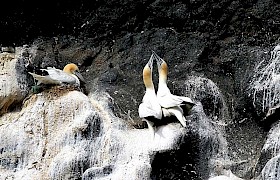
(218, 52)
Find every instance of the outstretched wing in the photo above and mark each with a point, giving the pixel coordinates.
(178, 112)
(183, 100)
(169, 100)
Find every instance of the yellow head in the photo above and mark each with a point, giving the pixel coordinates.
(71, 68)
(147, 74)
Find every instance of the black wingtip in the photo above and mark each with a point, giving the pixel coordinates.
(152, 119)
(187, 107)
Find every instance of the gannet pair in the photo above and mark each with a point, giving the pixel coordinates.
(69, 75)
(164, 103)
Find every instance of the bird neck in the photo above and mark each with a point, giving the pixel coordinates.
(163, 71)
(148, 82)
(68, 70)
(147, 78)
(162, 85)
(162, 77)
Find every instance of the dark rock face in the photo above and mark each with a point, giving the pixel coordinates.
(254, 22)
(190, 160)
(111, 42)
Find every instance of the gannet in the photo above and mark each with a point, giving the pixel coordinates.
(149, 109)
(171, 104)
(69, 75)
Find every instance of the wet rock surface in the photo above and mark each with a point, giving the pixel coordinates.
(216, 51)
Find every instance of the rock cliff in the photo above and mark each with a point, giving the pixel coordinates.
(222, 54)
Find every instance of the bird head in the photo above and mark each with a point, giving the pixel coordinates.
(70, 68)
(73, 69)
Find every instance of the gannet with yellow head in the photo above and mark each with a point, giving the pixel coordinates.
(69, 75)
(171, 104)
(149, 109)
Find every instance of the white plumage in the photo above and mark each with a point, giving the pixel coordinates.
(170, 103)
(149, 106)
(69, 75)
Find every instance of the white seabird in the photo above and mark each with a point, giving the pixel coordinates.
(171, 104)
(149, 109)
(69, 75)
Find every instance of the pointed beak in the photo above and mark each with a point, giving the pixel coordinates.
(79, 75)
(158, 59)
(158, 63)
(150, 62)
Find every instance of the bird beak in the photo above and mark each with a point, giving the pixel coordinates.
(158, 59)
(158, 62)
(150, 63)
(79, 75)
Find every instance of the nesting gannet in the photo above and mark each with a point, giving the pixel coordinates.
(171, 104)
(70, 75)
(149, 109)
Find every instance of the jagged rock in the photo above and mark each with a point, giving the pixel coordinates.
(97, 172)
(49, 137)
(218, 40)
(14, 81)
(266, 95)
(8, 49)
(270, 170)
(265, 82)
(269, 153)
(64, 134)
(205, 134)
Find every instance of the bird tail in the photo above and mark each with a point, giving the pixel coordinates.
(187, 108)
(187, 100)
(37, 77)
(165, 112)
(44, 79)
(178, 112)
